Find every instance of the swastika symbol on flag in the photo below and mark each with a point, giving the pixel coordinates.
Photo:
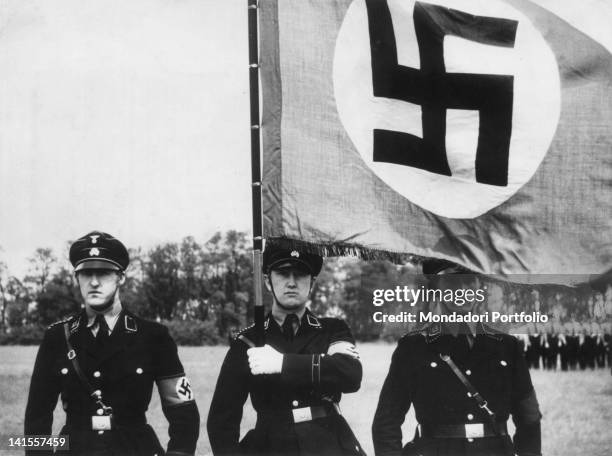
(435, 90)
(183, 389)
(453, 104)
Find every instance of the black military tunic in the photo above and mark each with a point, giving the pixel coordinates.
(496, 368)
(137, 354)
(309, 381)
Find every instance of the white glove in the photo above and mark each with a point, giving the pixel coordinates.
(344, 348)
(265, 360)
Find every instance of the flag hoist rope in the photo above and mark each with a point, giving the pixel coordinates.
(258, 313)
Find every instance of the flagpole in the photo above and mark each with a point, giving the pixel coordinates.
(258, 312)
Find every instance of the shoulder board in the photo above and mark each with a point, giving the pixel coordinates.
(424, 330)
(246, 340)
(492, 332)
(241, 335)
(243, 330)
(61, 322)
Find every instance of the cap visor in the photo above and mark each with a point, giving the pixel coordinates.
(293, 263)
(96, 264)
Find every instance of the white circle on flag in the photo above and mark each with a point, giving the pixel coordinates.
(535, 110)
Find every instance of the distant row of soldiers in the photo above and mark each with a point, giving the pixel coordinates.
(567, 350)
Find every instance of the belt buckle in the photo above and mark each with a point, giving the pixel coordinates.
(302, 414)
(474, 430)
(101, 423)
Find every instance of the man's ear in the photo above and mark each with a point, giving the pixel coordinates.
(121, 278)
(266, 278)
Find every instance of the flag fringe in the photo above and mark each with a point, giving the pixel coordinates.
(333, 249)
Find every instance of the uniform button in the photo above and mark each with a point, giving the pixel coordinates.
(470, 440)
(503, 363)
(96, 374)
(98, 393)
(99, 411)
(295, 403)
(468, 372)
(469, 394)
(100, 432)
(470, 416)
(139, 370)
(64, 371)
(434, 364)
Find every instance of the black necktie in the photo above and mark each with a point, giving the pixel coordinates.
(290, 322)
(103, 331)
(467, 335)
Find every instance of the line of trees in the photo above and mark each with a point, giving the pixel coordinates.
(208, 284)
(204, 292)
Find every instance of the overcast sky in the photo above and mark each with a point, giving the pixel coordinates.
(129, 117)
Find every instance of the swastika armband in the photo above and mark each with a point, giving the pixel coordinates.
(175, 391)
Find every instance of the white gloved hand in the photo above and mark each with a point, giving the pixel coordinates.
(344, 348)
(265, 360)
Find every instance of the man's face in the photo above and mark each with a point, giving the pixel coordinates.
(291, 286)
(98, 286)
(458, 280)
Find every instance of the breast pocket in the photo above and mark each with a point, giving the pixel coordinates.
(432, 387)
(132, 378)
(64, 371)
(137, 369)
(500, 374)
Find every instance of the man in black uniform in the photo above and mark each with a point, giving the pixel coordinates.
(295, 380)
(104, 362)
(464, 381)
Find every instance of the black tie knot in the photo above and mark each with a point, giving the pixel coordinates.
(103, 329)
(289, 325)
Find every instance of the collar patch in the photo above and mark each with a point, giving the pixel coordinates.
(130, 324)
(313, 321)
(434, 332)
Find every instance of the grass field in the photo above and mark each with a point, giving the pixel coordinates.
(577, 406)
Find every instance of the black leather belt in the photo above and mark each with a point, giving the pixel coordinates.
(461, 431)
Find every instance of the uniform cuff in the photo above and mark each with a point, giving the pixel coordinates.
(300, 370)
